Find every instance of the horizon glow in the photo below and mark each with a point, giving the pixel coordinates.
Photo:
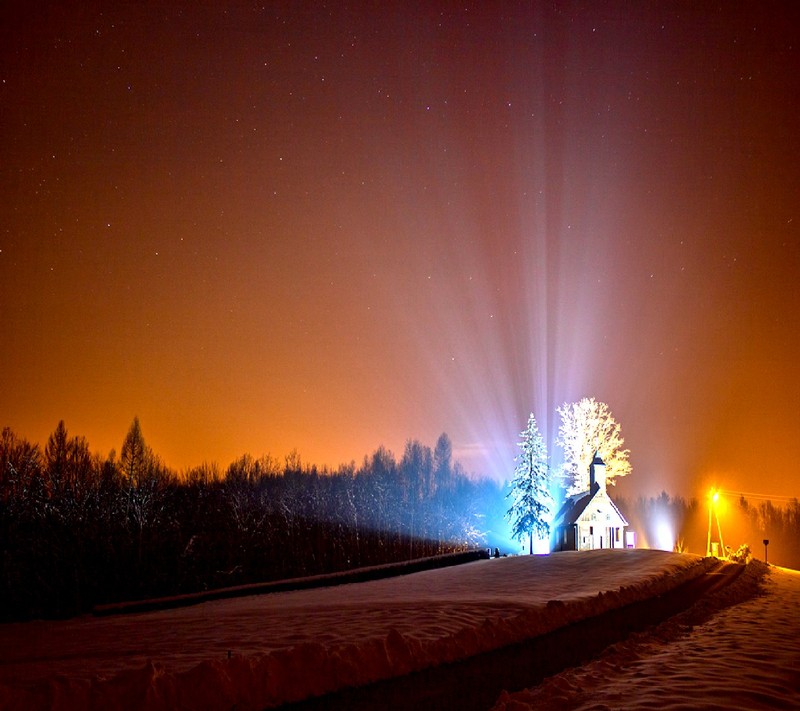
(338, 230)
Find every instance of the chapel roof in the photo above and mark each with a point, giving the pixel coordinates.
(575, 505)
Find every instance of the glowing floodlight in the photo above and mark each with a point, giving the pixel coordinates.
(541, 546)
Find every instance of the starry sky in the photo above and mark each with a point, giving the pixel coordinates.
(330, 226)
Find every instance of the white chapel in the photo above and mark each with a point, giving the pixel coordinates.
(590, 519)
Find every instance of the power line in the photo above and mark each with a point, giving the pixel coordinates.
(767, 497)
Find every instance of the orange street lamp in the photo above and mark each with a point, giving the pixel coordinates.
(711, 495)
(712, 507)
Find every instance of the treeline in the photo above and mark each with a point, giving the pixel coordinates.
(779, 525)
(683, 524)
(77, 529)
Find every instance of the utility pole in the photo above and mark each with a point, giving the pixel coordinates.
(712, 509)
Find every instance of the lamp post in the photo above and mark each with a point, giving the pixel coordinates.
(719, 528)
(713, 498)
(766, 543)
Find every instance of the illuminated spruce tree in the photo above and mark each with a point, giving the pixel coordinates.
(588, 427)
(532, 503)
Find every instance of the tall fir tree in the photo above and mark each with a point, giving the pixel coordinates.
(532, 502)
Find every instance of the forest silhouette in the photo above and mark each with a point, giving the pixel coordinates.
(78, 530)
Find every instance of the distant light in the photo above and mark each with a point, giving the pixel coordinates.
(541, 546)
(665, 540)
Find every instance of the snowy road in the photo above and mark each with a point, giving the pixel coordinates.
(474, 684)
(745, 655)
(261, 651)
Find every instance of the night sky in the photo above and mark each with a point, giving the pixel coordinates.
(332, 228)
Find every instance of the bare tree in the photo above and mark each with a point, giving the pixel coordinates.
(443, 464)
(588, 427)
(144, 476)
(135, 455)
(20, 472)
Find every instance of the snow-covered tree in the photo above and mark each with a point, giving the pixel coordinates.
(531, 506)
(587, 427)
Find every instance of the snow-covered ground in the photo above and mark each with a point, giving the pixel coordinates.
(260, 651)
(746, 656)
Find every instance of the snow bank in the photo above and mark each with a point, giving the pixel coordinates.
(746, 657)
(258, 652)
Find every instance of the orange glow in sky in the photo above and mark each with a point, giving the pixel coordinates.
(261, 228)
